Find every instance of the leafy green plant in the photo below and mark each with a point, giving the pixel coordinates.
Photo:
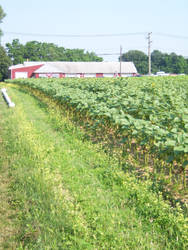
(150, 114)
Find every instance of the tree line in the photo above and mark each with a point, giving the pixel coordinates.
(42, 51)
(169, 63)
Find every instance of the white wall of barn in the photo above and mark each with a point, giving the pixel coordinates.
(76, 75)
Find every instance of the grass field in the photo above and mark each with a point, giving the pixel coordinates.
(66, 193)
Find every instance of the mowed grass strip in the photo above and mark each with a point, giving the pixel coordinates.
(70, 195)
(8, 227)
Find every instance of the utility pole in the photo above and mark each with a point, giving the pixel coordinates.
(149, 52)
(120, 60)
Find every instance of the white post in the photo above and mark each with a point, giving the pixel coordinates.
(7, 98)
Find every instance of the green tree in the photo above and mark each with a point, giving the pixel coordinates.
(2, 15)
(37, 51)
(139, 58)
(5, 62)
(186, 68)
(177, 63)
(170, 63)
(15, 51)
(78, 55)
(159, 61)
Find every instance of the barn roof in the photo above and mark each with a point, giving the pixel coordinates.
(87, 67)
(80, 67)
(26, 64)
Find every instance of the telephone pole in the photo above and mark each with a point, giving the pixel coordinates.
(120, 60)
(149, 52)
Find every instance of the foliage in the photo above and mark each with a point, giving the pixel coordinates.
(170, 63)
(5, 62)
(37, 51)
(139, 58)
(15, 51)
(146, 114)
(2, 15)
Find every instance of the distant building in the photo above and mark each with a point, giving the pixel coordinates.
(72, 69)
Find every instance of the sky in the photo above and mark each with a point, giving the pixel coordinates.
(101, 26)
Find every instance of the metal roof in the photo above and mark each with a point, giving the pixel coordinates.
(80, 67)
(87, 67)
(17, 66)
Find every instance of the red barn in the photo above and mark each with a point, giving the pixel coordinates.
(72, 69)
(25, 70)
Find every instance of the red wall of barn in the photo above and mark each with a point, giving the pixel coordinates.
(99, 74)
(61, 75)
(29, 70)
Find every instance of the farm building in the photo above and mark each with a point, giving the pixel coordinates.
(72, 69)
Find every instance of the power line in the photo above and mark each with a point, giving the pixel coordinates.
(104, 35)
(75, 35)
(95, 35)
(171, 35)
(107, 54)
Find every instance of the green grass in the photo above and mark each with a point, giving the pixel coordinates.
(7, 213)
(69, 195)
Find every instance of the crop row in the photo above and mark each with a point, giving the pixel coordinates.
(152, 112)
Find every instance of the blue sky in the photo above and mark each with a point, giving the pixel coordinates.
(84, 17)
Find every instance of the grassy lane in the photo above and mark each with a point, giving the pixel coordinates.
(69, 195)
(8, 214)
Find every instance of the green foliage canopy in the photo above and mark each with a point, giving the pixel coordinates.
(5, 62)
(139, 58)
(38, 51)
(170, 63)
(2, 15)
